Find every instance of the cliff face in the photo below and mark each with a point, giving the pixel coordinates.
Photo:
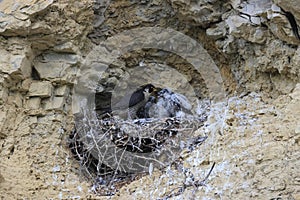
(249, 48)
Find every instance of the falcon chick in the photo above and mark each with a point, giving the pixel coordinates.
(164, 103)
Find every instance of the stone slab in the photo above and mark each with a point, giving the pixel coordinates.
(41, 89)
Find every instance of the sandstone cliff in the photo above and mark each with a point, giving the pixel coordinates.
(253, 134)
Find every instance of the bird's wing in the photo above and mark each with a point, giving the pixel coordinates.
(136, 97)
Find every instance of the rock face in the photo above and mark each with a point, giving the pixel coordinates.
(48, 46)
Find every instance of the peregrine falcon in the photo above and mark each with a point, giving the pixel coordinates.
(139, 98)
(128, 106)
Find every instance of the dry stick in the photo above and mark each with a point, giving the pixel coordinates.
(117, 167)
(182, 188)
(202, 183)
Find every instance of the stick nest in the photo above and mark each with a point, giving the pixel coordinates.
(114, 152)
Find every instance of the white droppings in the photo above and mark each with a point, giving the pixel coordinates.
(56, 169)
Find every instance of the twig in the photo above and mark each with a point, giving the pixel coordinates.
(202, 183)
(181, 189)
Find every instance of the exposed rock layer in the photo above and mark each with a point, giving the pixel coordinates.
(44, 45)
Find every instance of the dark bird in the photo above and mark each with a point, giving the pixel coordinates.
(139, 98)
(128, 106)
(140, 95)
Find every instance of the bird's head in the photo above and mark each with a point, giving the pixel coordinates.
(149, 88)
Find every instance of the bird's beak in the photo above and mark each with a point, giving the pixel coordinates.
(154, 90)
